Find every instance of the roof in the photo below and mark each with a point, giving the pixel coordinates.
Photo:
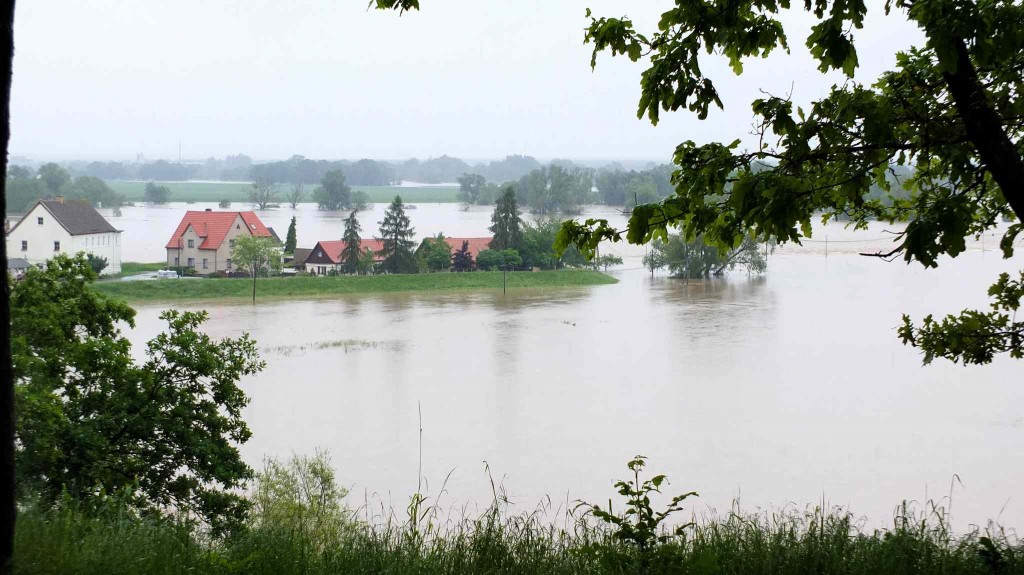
(300, 255)
(77, 217)
(17, 264)
(476, 245)
(274, 236)
(333, 248)
(213, 227)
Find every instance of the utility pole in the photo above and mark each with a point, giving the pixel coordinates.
(254, 280)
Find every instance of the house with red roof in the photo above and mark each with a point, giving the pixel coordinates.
(476, 245)
(203, 240)
(326, 255)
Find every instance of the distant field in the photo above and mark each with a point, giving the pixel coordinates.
(203, 289)
(237, 192)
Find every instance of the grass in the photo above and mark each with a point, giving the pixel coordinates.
(203, 289)
(238, 192)
(290, 537)
(133, 268)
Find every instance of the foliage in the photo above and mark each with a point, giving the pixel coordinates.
(237, 192)
(296, 194)
(498, 259)
(333, 193)
(616, 187)
(92, 190)
(367, 261)
(96, 263)
(256, 256)
(53, 177)
(555, 188)
(949, 109)
(475, 189)
(155, 194)
(290, 239)
(974, 336)
(435, 253)
(654, 259)
(263, 192)
(462, 259)
(360, 200)
(506, 225)
(21, 192)
(697, 259)
(352, 253)
(607, 260)
(91, 418)
(224, 204)
(301, 170)
(397, 234)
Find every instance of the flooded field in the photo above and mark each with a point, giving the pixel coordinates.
(784, 389)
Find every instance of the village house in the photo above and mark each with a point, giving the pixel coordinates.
(476, 245)
(56, 226)
(326, 255)
(203, 240)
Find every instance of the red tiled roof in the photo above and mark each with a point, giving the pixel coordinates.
(476, 245)
(333, 248)
(213, 227)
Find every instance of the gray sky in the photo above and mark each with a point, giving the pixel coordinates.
(478, 79)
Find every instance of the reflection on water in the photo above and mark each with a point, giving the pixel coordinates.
(779, 389)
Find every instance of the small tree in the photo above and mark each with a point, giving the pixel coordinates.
(606, 261)
(290, 240)
(262, 193)
(256, 256)
(510, 259)
(296, 194)
(366, 262)
(333, 193)
(155, 194)
(224, 204)
(352, 251)
(397, 234)
(97, 263)
(489, 260)
(505, 222)
(471, 188)
(462, 259)
(437, 253)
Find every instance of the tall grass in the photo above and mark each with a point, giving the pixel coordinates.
(299, 524)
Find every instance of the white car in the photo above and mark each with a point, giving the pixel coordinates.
(166, 274)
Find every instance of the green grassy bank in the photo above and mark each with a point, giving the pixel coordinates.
(200, 289)
(238, 192)
(300, 542)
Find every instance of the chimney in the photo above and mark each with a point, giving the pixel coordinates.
(60, 199)
(209, 209)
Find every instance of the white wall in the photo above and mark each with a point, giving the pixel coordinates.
(40, 240)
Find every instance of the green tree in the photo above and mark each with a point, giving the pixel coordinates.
(92, 190)
(607, 260)
(396, 234)
(290, 239)
(654, 259)
(436, 253)
(471, 188)
(462, 259)
(22, 193)
(90, 417)
(256, 256)
(96, 263)
(53, 177)
(360, 200)
(263, 193)
(949, 109)
(505, 222)
(18, 172)
(489, 260)
(352, 251)
(224, 204)
(155, 194)
(510, 259)
(367, 261)
(697, 259)
(333, 193)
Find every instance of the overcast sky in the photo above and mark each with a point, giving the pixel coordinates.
(478, 79)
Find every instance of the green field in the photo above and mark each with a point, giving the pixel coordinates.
(237, 192)
(202, 289)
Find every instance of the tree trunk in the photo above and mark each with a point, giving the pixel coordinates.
(984, 127)
(8, 512)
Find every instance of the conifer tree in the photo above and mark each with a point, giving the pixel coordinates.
(396, 234)
(290, 241)
(506, 225)
(351, 252)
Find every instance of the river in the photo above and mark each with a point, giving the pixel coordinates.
(786, 389)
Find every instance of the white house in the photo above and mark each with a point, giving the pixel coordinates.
(57, 227)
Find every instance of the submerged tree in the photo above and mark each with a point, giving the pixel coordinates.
(697, 259)
(333, 193)
(950, 109)
(262, 193)
(155, 194)
(506, 226)
(396, 235)
(90, 417)
(296, 194)
(471, 188)
(352, 251)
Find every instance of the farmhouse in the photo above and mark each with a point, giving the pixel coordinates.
(203, 240)
(64, 227)
(326, 255)
(476, 245)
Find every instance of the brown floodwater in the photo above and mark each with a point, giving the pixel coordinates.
(785, 389)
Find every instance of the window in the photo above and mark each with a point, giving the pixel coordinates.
(56, 246)
(24, 245)
(204, 263)
(191, 262)
(231, 243)
(229, 263)
(238, 227)
(191, 243)
(177, 262)
(39, 221)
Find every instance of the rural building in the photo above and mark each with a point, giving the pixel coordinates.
(476, 245)
(64, 227)
(326, 255)
(17, 266)
(203, 240)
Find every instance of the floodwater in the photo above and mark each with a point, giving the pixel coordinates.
(786, 389)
